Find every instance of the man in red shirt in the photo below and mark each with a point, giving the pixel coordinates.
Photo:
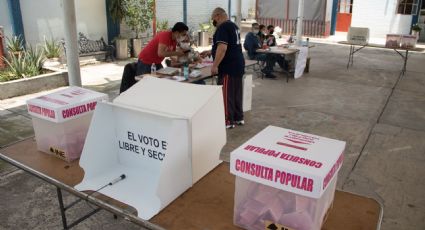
(161, 46)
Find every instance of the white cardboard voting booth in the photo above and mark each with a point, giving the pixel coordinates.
(162, 135)
(285, 177)
(61, 120)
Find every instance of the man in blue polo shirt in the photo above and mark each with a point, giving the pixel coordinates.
(229, 64)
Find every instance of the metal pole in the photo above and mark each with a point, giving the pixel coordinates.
(238, 12)
(70, 26)
(300, 22)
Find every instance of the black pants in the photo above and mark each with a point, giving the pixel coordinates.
(232, 96)
(131, 70)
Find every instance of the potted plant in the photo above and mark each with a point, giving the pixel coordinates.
(162, 25)
(204, 35)
(15, 45)
(416, 29)
(52, 51)
(117, 12)
(138, 16)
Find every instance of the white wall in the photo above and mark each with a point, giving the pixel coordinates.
(171, 10)
(328, 14)
(5, 18)
(44, 18)
(380, 17)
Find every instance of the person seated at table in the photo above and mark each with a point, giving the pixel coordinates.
(191, 57)
(251, 44)
(262, 32)
(271, 41)
(270, 38)
(162, 45)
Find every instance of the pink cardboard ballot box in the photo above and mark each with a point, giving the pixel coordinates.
(61, 120)
(285, 177)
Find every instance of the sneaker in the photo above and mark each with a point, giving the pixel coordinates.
(229, 125)
(241, 122)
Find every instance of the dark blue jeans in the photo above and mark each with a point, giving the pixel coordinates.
(271, 60)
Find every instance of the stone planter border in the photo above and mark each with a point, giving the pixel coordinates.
(34, 84)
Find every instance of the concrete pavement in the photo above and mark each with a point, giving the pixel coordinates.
(381, 117)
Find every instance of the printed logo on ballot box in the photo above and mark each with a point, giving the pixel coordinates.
(144, 145)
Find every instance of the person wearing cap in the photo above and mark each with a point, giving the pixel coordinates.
(229, 64)
(162, 45)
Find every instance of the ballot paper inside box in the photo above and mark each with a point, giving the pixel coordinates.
(285, 177)
(162, 135)
(61, 120)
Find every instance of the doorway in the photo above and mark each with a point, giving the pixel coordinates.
(343, 16)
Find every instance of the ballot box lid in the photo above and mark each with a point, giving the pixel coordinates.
(289, 160)
(66, 104)
(164, 96)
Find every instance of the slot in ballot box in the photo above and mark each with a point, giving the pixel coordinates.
(61, 120)
(162, 135)
(285, 177)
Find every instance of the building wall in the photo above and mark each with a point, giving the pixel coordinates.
(44, 18)
(328, 14)
(5, 19)
(171, 10)
(380, 17)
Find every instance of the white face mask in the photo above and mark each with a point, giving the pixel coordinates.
(181, 38)
(255, 31)
(185, 45)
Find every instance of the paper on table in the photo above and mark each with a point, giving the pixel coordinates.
(175, 78)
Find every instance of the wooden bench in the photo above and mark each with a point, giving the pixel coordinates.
(97, 49)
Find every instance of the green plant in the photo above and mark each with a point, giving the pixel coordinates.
(52, 49)
(138, 14)
(6, 75)
(27, 64)
(204, 26)
(17, 66)
(162, 25)
(416, 27)
(35, 59)
(116, 10)
(15, 44)
(207, 27)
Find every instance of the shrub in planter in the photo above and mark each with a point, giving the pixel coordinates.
(15, 45)
(162, 25)
(27, 64)
(52, 49)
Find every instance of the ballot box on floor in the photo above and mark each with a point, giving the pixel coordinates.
(61, 120)
(285, 178)
(162, 135)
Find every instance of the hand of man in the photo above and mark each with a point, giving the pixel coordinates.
(180, 53)
(214, 70)
(205, 53)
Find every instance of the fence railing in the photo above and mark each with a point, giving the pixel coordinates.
(311, 28)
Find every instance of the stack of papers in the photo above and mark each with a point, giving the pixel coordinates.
(168, 71)
(175, 78)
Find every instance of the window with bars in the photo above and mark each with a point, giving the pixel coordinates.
(408, 6)
(345, 6)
